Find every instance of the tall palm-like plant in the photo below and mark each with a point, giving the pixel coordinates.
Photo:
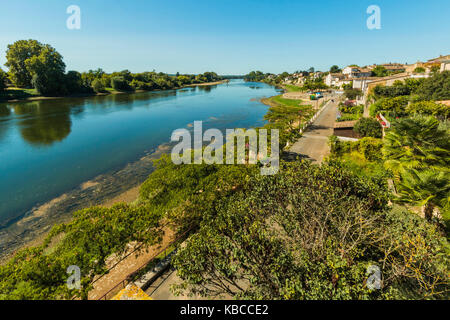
(427, 188)
(416, 143)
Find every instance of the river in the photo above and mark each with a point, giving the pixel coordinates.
(50, 147)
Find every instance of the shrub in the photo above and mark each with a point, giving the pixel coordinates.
(371, 148)
(394, 106)
(368, 127)
(419, 70)
(392, 92)
(98, 86)
(429, 108)
(48, 86)
(352, 94)
(120, 84)
(436, 87)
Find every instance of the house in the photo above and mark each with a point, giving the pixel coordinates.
(394, 67)
(439, 59)
(445, 65)
(337, 80)
(361, 83)
(333, 78)
(356, 72)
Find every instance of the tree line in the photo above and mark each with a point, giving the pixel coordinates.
(35, 65)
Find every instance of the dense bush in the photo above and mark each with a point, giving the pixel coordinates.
(392, 91)
(371, 148)
(87, 241)
(368, 127)
(97, 86)
(74, 84)
(119, 84)
(436, 87)
(311, 233)
(49, 86)
(352, 94)
(394, 107)
(2, 80)
(438, 110)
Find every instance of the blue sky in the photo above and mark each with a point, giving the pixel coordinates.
(229, 36)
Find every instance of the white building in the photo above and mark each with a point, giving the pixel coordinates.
(356, 72)
(445, 66)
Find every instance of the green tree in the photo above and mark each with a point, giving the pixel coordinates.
(419, 70)
(48, 71)
(98, 86)
(368, 127)
(427, 188)
(2, 80)
(335, 69)
(379, 71)
(416, 143)
(439, 110)
(436, 87)
(119, 83)
(352, 94)
(393, 106)
(17, 55)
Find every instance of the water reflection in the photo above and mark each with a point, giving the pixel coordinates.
(43, 124)
(4, 127)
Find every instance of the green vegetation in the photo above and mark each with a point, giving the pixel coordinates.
(315, 84)
(436, 87)
(263, 243)
(417, 151)
(419, 70)
(352, 94)
(256, 237)
(368, 127)
(440, 111)
(335, 69)
(380, 71)
(87, 241)
(390, 107)
(350, 112)
(39, 66)
(292, 88)
(3, 77)
(287, 115)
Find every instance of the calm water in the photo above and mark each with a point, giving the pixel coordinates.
(50, 147)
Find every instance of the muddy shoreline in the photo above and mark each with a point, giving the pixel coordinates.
(106, 189)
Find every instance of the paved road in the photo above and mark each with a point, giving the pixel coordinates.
(313, 145)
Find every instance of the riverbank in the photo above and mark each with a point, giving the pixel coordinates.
(104, 190)
(25, 94)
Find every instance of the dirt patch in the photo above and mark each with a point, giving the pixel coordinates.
(88, 184)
